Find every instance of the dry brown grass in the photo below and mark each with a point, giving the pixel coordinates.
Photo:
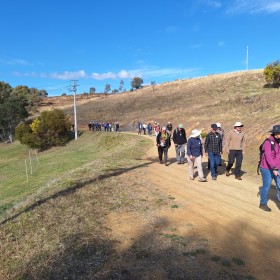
(197, 102)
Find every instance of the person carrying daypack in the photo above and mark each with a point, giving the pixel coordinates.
(163, 144)
(180, 140)
(270, 165)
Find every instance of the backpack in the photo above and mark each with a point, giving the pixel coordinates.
(272, 144)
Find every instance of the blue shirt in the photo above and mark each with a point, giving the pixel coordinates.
(194, 147)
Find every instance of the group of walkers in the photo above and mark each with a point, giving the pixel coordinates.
(191, 149)
(106, 126)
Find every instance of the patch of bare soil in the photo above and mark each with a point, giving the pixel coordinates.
(211, 230)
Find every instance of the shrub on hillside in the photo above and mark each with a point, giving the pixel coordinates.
(50, 129)
(272, 73)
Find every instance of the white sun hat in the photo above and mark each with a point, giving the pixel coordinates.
(238, 124)
(218, 124)
(195, 133)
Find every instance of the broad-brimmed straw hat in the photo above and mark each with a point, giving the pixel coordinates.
(195, 133)
(238, 124)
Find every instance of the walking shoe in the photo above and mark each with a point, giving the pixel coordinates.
(178, 162)
(161, 162)
(191, 178)
(238, 178)
(202, 180)
(166, 164)
(264, 207)
(227, 173)
(214, 178)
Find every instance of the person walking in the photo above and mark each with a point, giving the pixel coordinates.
(163, 144)
(194, 155)
(169, 128)
(213, 147)
(180, 140)
(235, 147)
(270, 166)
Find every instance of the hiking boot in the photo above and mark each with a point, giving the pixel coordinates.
(191, 177)
(161, 162)
(238, 178)
(202, 180)
(166, 164)
(227, 173)
(214, 178)
(178, 162)
(264, 207)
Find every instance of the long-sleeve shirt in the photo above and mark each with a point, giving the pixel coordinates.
(179, 136)
(194, 147)
(235, 141)
(270, 157)
(213, 143)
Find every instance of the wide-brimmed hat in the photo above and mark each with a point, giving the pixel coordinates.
(195, 133)
(218, 124)
(238, 124)
(180, 125)
(275, 129)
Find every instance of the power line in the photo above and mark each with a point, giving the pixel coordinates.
(74, 89)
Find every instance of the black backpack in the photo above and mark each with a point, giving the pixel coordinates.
(272, 143)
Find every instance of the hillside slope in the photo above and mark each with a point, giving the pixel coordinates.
(197, 102)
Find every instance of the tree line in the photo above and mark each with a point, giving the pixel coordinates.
(15, 105)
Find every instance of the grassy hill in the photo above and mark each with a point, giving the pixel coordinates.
(53, 222)
(197, 103)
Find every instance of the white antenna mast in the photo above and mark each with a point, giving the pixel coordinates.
(247, 58)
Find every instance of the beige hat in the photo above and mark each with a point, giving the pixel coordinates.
(238, 124)
(195, 133)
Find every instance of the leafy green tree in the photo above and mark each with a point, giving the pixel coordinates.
(43, 93)
(272, 73)
(92, 90)
(114, 91)
(121, 86)
(136, 83)
(12, 111)
(107, 88)
(5, 91)
(50, 129)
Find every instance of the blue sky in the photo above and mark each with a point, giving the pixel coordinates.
(47, 43)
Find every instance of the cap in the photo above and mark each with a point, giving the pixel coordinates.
(180, 125)
(214, 126)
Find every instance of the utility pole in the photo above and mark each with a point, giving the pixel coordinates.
(74, 89)
(247, 58)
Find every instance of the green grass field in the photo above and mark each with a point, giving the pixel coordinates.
(58, 167)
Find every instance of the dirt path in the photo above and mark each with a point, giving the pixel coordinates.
(224, 214)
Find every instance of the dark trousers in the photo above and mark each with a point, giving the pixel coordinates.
(162, 151)
(237, 157)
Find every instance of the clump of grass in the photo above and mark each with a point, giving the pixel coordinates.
(226, 263)
(215, 258)
(174, 206)
(171, 197)
(195, 253)
(238, 261)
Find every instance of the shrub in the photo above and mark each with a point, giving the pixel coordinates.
(272, 73)
(50, 129)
